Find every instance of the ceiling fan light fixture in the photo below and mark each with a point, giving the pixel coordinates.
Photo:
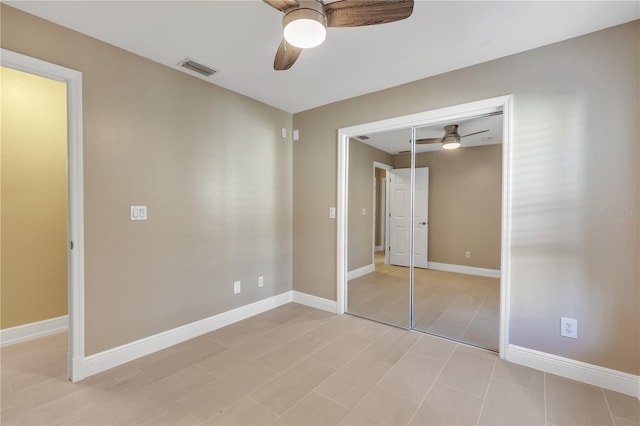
(451, 143)
(451, 138)
(305, 27)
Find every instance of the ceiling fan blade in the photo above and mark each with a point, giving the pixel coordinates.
(476, 133)
(404, 152)
(357, 13)
(282, 5)
(428, 140)
(285, 56)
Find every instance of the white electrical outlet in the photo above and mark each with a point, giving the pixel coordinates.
(260, 281)
(569, 327)
(467, 255)
(236, 287)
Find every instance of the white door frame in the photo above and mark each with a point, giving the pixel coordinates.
(425, 118)
(385, 243)
(75, 227)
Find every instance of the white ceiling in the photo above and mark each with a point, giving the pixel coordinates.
(240, 38)
(397, 141)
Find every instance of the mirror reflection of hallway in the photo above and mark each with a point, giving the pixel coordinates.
(456, 285)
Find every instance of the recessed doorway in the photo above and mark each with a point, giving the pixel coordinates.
(492, 286)
(74, 244)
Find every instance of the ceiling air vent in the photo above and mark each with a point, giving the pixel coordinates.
(363, 137)
(199, 68)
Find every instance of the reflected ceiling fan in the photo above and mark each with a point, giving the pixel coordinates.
(305, 22)
(450, 140)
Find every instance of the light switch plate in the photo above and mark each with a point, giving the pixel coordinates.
(332, 212)
(138, 212)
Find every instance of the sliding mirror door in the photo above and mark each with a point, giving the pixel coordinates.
(456, 275)
(424, 228)
(378, 228)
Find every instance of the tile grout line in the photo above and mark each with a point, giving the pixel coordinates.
(434, 381)
(544, 395)
(475, 314)
(606, 401)
(357, 355)
(307, 357)
(328, 377)
(250, 396)
(484, 398)
(343, 366)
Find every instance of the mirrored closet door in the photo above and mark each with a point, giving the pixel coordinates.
(378, 218)
(424, 228)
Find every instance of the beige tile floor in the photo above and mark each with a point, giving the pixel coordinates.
(295, 365)
(465, 308)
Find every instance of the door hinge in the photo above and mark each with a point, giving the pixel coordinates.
(70, 245)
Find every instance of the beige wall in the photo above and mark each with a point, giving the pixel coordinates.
(34, 198)
(211, 167)
(360, 227)
(575, 160)
(381, 175)
(465, 202)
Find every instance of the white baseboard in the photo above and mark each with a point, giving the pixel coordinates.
(110, 358)
(22, 333)
(460, 269)
(315, 302)
(356, 273)
(577, 370)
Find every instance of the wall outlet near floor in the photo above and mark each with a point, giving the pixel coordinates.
(467, 254)
(260, 281)
(236, 287)
(569, 327)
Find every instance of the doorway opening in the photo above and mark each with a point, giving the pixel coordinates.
(74, 191)
(500, 105)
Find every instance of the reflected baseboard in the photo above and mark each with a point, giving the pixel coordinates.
(461, 269)
(356, 273)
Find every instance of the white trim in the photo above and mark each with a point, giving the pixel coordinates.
(73, 80)
(364, 270)
(455, 112)
(607, 378)
(461, 269)
(111, 358)
(341, 220)
(315, 301)
(33, 330)
(505, 241)
(376, 219)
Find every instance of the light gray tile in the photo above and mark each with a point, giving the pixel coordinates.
(510, 404)
(381, 407)
(447, 406)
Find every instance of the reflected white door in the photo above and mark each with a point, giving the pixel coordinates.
(400, 214)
